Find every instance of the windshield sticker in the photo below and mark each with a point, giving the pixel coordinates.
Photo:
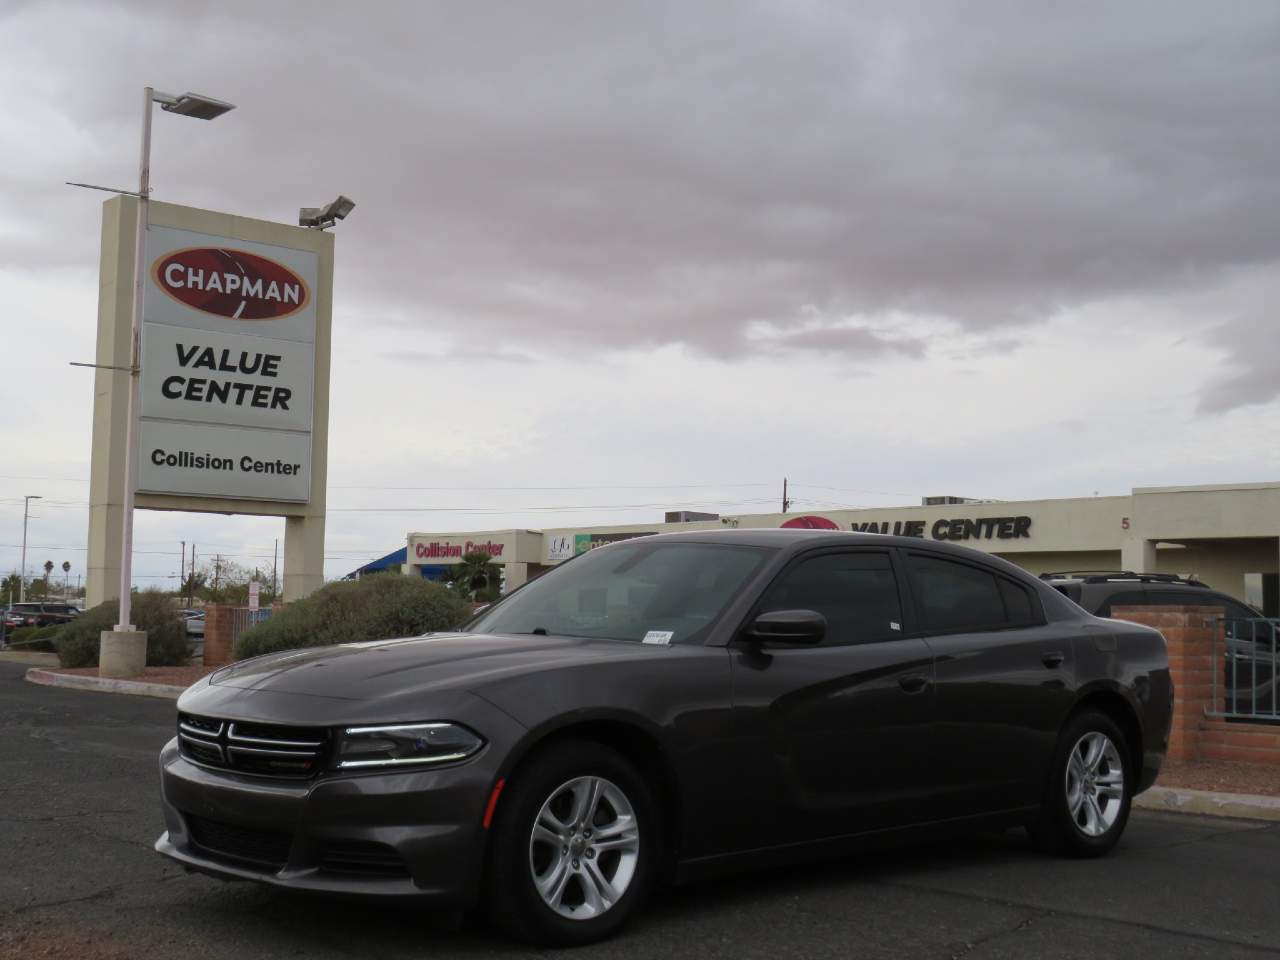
(659, 636)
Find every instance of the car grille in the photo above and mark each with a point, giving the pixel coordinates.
(364, 858)
(265, 750)
(262, 847)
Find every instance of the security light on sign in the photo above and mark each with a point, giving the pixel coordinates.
(319, 218)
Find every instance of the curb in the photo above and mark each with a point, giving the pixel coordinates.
(1242, 806)
(137, 688)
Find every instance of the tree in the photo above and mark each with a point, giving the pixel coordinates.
(225, 581)
(11, 588)
(475, 577)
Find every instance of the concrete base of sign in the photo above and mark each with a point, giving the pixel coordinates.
(122, 653)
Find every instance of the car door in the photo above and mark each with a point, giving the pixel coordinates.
(840, 731)
(1004, 681)
(1250, 658)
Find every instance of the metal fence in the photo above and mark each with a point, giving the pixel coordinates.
(242, 618)
(1244, 670)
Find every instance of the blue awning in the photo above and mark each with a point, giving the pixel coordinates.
(394, 559)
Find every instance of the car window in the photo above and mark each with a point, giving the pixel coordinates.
(1018, 605)
(1125, 598)
(1182, 597)
(856, 592)
(1245, 623)
(646, 591)
(955, 596)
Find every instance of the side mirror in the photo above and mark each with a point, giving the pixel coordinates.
(788, 626)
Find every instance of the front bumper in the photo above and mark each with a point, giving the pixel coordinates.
(400, 834)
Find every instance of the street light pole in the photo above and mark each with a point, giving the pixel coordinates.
(22, 574)
(201, 108)
(135, 344)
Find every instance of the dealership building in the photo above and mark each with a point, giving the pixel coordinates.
(1227, 535)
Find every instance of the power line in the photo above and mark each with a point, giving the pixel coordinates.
(545, 509)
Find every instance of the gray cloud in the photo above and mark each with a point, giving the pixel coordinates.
(586, 176)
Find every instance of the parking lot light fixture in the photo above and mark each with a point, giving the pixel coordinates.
(192, 105)
(320, 218)
(188, 105)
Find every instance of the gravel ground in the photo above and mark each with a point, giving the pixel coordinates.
(175, 676)
(1222, 776)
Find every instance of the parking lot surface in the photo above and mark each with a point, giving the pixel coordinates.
(78, 878)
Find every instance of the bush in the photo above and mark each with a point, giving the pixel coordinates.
(152, 611)
(34, 638)
(378, 607)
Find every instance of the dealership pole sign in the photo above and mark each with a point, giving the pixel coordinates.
(232, 415)
(228, 368)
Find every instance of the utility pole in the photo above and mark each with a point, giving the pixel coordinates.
(182, 568)
(22, 574)
(275, 556)
(217, 570)
(786, 504)
(191, 584)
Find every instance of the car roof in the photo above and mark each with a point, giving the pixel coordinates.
(804, 539)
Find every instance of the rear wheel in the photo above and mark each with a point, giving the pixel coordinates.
(574, 847)
(1086, 803)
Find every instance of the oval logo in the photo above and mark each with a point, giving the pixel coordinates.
(231, 283)
(810, 523)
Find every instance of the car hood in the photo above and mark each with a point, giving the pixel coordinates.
(440, 661)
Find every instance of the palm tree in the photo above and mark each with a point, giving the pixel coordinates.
(475, 573)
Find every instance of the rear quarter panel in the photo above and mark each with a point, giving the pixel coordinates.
(1132, 662)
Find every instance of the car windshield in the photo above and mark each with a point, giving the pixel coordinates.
(646, 590)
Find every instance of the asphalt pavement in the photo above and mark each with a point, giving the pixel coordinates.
(78, 878)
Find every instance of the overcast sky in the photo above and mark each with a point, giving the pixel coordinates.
(667, 253)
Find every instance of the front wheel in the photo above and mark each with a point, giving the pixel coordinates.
(1086, 803)
(574, 847)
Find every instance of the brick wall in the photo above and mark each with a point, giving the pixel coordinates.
(1243, 742)
(217, 634)
(1195, 644)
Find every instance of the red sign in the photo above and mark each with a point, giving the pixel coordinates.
(811, 523)
(455, 551)
(231, 283)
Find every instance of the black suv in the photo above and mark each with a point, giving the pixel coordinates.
(1249, 671)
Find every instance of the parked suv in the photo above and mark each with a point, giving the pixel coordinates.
(1249, 668)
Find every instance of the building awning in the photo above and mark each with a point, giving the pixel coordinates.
(393, 559)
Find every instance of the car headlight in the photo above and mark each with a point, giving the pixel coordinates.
(405, 744)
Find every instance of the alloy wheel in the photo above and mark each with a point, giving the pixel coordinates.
(584, 847)
(1094, 784)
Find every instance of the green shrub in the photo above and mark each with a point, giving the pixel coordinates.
(34, 638)
(378, 607)
(152, 611)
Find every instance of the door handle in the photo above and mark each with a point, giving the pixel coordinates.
(1053, 660)
(913, 682)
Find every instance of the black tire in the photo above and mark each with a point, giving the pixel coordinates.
(1060, 831)
(515, 903)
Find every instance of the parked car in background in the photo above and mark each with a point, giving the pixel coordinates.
(42, 614)
(1249, 678)
(194, 620)
(671, 707)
